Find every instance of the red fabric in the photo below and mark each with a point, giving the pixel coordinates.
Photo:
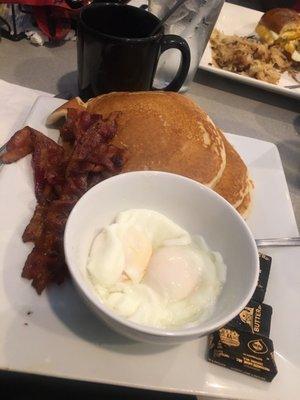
(297, 5)
(53, 17)
(53, 23)
(39, 3)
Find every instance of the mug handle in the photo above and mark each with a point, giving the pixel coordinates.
(177, 42)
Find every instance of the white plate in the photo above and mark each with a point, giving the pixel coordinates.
(64, 339)
(237, 20)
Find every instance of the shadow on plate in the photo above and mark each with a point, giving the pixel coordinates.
(88, 326)
(59, 309)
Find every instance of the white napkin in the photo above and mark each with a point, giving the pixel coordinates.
(15, 104)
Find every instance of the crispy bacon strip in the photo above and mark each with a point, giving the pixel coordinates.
(47, 160)
(18, 146)
(62, 175)
(46, 264)
(76, 123)
(49, 163)
(35, 227)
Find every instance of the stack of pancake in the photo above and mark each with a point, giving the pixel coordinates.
(166, 131)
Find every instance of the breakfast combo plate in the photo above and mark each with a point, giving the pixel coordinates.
(55, 334)
(241, 21)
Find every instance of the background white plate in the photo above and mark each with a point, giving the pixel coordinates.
(64, 339)
(237, 20)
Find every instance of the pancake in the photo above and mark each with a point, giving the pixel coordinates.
(245, 207)
(233, 184)
(61, 111)
(165, 131)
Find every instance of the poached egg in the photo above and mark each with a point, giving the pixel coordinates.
(151, 271)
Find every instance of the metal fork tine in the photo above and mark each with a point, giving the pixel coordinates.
(3, 149)
(293, 87)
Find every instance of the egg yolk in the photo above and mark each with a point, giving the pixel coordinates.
(174, 272)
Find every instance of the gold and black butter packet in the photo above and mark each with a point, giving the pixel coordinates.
(245, 352)
(243, 344)
(264, 272)
(254, 318)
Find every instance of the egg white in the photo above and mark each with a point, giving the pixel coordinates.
(149, 270)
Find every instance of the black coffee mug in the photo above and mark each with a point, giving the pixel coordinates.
(116, 51)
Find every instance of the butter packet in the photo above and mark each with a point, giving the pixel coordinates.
(243, 344)
(255, 318)
(245, 352)
(264, 272)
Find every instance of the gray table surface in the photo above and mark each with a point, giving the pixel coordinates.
(235, 107)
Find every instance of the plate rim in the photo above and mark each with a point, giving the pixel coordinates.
(241, 78)
(164, 386)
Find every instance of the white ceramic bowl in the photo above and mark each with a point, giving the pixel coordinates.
(194, 207)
